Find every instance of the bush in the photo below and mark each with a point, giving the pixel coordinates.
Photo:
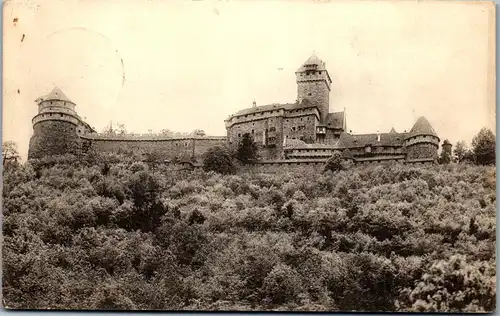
(218, 159)
(373, 238)
(334, 163)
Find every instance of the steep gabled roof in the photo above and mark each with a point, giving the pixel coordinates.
(56, 94)
(335, 120)
(422, 127)
(361, 140)
(263, 108)
(273, 107)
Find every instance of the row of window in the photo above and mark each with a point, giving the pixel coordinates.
(63, 102)
(310, 73)
(51, 114)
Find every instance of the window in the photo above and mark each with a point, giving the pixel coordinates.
(61, 115)
(272, 129)
(253, 131)
(293, 128)
(309, 93)
(301, 137)
(239, 134)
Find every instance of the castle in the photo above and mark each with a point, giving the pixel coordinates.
(304, 131)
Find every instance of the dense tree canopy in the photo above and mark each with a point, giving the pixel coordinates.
(375, 238)
(484, 146)
(218, 159)
(247, 148)
(459, 151)
(334, 163)
(10, 153)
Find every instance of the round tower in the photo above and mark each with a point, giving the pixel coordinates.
(422, 141)
(56, 127)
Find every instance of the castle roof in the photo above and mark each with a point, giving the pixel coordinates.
(312, 61)
(263, 108)
(56, 94)
(272, 107)
(422, 127)
(300, 144)
(335, 120)
(362, 140)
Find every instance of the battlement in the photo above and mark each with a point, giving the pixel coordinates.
(148, 137)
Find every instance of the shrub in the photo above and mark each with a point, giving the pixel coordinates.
(218, 159)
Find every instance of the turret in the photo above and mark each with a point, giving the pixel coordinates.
(56, 126)
(422, 141)
(314, 84)
(447, 147)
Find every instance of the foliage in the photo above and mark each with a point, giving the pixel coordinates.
(10, 153)
(247, 149)
(334, 163)
(218, 159)
(119, 235)
(444, 157)
(460, 151)
(455, 285)
(484, 145)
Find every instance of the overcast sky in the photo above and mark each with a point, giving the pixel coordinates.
(188, 65)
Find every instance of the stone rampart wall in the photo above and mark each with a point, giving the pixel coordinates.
(166, 148)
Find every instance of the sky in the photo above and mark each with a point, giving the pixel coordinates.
(185, 65)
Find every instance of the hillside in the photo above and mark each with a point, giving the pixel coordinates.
(130, 236)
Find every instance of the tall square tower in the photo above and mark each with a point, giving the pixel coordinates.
(314, 84)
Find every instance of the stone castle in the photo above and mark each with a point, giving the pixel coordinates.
(305, 131)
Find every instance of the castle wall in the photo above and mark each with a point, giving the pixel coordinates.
(422, 150)
(201, 146)
(332, 136)
(377, 150)
(300, 127)
(165, 149)
(52, 137)
(267, 133)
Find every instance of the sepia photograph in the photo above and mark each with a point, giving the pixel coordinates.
(249, 156)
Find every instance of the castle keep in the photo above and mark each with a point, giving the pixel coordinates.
(307, 131)
(304, 131)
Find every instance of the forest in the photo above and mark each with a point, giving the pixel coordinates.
(126, 234)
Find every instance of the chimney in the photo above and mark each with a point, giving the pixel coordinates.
(378, 136)
(254, 103)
